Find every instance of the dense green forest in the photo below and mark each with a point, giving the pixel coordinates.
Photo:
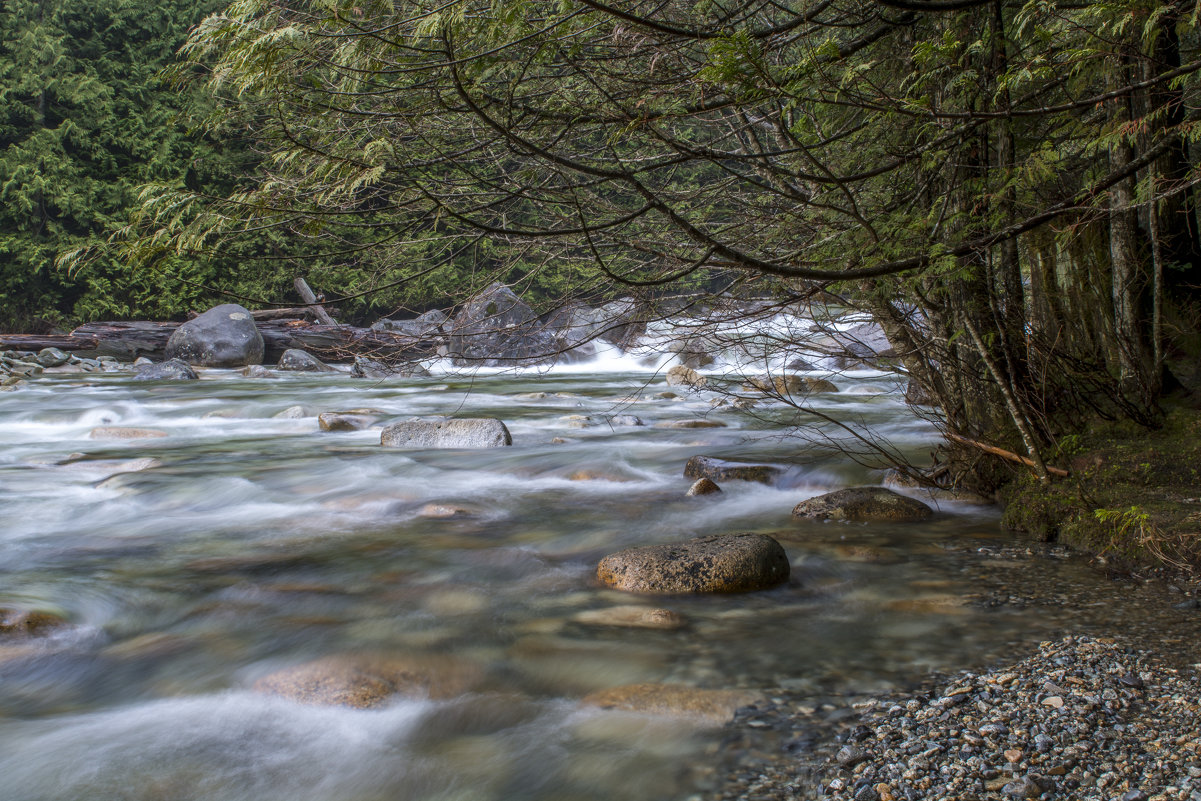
(1007, 186)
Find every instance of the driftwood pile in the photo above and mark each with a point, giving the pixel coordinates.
(308, 327)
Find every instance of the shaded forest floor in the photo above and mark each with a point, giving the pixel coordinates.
(1133, 497)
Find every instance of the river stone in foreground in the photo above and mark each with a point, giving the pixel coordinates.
(480, 432)
(224, 336)
(863, 504)
(721, 563)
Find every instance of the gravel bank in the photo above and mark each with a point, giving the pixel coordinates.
(1083, 718)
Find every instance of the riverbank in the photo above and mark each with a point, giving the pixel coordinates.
(1133, 496)
(1081, 718)
(788, 748)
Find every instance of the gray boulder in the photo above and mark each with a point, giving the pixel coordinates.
(482, 432)
(51, 357)
(496, 328)
(424, 326)
(170, 370)
(224, 336)
(300, 361)
(863, 504)
(722, 563)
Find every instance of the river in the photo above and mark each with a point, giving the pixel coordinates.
(239, 542)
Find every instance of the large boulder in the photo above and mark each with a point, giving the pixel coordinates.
(721, 470)
(496, 328)
(481, 432)
(170, 370)
(224, 336)
(301, 361)
(863, 504)
(366, 681)
(721, 563)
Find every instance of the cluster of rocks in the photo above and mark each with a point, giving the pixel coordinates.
(1082, 718)
(17, 367)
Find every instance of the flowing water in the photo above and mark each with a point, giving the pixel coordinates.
(241, 543)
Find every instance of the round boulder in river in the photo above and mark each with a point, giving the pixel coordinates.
(863, 504)
(481, 432)
(721, 563)
(224, 336)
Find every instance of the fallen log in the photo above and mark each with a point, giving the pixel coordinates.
(35, 342)
(310, 299)
(332, 343)
(1004, 454)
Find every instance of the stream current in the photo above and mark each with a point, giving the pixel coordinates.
(192, 564)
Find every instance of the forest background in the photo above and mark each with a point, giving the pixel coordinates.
(1007, 187)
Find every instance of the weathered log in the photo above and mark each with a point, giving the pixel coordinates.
(332, 343)
(289, 313)
(306, 294)
(39, 341)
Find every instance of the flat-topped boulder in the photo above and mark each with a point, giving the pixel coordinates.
(722, 470)
(720, 563)
(371, 680)
(863, 504)
(224, 336)
(478, 432)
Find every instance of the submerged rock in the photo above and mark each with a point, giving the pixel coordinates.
(257, 371)
(122, 432)
(788, 385)
(481, 432)
(24, 623)
(300, 361)
(690, 424)
(636, 617)
(366, 681)
(224, 336)
(350, 420)
(674, 700)
(861, 504)
(721, 563)
(170, 370)
(721, 470)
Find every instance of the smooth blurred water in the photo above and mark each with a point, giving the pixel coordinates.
(194, 563)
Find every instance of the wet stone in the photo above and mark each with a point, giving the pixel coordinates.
(722, 470)
(722, 563)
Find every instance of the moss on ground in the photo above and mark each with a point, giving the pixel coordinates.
(1134, 496)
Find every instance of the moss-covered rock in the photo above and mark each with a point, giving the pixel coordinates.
(863, 504)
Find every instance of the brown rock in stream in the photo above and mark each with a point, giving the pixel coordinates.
(721, 563)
